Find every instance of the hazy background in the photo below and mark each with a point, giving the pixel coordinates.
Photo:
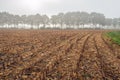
(110, 8)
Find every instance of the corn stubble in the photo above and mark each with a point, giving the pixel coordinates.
(58, 55)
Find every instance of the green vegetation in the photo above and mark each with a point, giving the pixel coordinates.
(115, 36)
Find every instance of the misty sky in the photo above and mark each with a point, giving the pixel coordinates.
(111, 8)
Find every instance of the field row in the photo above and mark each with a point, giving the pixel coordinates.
(58, 55)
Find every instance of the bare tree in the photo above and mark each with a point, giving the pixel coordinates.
(45, 20)
(61, 19)
(54, 20)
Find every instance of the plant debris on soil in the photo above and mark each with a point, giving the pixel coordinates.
(58, 55)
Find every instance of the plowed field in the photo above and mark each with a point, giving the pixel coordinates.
(58, 55)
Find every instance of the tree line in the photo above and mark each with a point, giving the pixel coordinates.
(61, 20)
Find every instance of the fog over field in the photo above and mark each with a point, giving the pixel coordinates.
(108, 7)
(104, 14)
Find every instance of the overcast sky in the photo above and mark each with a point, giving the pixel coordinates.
(110, 8)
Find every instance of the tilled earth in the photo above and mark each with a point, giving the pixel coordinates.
(58, 55)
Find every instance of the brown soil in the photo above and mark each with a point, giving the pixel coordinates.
(58, 55)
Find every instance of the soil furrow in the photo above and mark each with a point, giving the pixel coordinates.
(58, 55)
(100, 61)
(65, 65)
(52, 60)
(36, 59)
(111, 65)
(81, 53)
